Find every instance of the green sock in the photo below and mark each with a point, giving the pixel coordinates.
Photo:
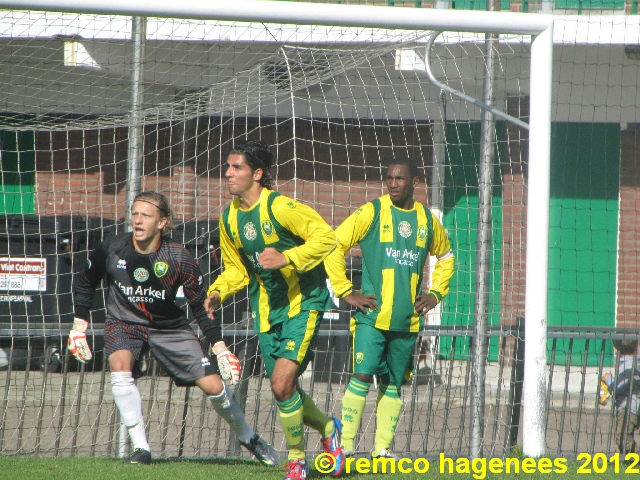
(313, 417)
(291, 415)
(388, 408)
(353, 403)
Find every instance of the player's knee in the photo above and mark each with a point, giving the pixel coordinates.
(211, 385)
(282, 388)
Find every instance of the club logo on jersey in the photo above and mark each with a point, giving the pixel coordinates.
(141, 274)
(160, 269)
(122, 264)
(291, 345)
(267, 228)
(422, 232)
(88, 264)
(291, 205)
(250, 231)
(404, 229)
(359, 357)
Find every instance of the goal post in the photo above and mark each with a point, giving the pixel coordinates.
(539, 26)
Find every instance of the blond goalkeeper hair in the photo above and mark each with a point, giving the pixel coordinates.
(161, 203)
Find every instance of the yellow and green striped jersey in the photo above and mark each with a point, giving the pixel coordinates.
(290, 227)
(395, 245)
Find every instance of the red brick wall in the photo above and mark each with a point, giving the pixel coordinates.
(66, 193)
(629, 230)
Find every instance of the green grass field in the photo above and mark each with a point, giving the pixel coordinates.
(32, 468)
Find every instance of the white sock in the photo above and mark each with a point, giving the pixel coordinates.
(227, 408)
(129, 403)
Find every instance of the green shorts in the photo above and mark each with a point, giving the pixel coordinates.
(290, 339)
(382, 352)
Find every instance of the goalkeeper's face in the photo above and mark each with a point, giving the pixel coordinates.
(147, 223)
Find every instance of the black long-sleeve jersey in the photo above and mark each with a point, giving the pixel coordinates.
(141, 288)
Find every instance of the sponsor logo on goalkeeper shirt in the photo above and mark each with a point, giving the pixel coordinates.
(122, 264)
(141, 274)
(205, 362)
(141, 294)
(160, 269)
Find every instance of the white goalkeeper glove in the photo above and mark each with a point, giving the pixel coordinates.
(77, 343)
(228, 364)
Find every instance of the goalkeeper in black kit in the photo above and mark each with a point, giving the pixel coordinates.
(144, 272)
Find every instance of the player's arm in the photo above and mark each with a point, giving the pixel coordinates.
(84, 290)
(228, 364)
(445, 261)
(306, 223)
(350, 232)
(233, 278)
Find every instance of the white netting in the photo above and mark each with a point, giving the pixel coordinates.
(335, 104)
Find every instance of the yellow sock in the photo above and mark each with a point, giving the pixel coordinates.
(388, 408)
(291, 416)
(313, 417)
(353, 403)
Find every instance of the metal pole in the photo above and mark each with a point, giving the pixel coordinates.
(483, 252)
(536, 293)
(136, 127)
(134, 161)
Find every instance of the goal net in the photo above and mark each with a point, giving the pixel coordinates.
(335, 105)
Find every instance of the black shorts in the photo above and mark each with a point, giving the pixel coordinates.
(178, 351)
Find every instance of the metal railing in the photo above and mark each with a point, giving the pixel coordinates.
(52, 405)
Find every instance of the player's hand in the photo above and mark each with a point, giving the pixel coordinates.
(228, 364)
(77, 342)
(211, 304)
(366, 303)
(425, 302)
(271, 259)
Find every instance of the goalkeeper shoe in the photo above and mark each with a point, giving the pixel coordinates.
(260, 449)
(140, 456)
(331, 445)
(297, 470)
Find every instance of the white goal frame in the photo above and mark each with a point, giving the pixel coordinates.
(539, 26)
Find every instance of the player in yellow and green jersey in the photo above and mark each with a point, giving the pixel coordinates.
(396, 235)
(276, 246)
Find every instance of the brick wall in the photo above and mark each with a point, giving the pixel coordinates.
(628, 290)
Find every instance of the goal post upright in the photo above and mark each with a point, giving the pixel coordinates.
(539, 26)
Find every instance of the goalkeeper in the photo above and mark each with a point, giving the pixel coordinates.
(396, 235)
(144, 272)
(276, 246)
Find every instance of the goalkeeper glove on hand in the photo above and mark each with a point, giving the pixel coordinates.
(228, 363)
(604, 393)
(77, 343)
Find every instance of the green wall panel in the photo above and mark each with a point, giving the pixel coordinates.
(17, 167)
(583, 230)
(461, 221)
